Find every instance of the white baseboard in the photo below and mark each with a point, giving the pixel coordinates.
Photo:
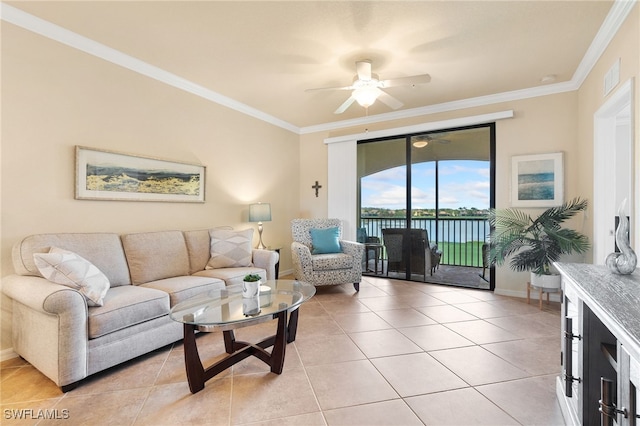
(285, 273)
(554, 297)
(6, 354)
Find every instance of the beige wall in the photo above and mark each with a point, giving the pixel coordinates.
(626, 47)
(55, 97)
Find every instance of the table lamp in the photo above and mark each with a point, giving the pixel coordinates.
(260, 212)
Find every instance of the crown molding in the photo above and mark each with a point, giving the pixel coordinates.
(54, 32)
(614, 19)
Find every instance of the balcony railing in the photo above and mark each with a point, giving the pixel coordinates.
(459, 239)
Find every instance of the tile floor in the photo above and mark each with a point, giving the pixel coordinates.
(396, 353)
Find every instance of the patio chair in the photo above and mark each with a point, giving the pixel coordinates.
(424, 256)
(321, 257)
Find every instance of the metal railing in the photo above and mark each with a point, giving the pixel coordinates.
(459, 239)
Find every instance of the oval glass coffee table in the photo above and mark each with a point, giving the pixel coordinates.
(227, 310)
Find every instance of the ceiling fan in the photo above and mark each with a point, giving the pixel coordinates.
(366, 87)
(420, 141)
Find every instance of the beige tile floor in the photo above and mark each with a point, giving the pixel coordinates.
(396, 353)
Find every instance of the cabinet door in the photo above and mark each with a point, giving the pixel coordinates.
(632, 391)
(572, 351)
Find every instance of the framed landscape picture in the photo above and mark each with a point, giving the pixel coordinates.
(537, 180)
(108, 175)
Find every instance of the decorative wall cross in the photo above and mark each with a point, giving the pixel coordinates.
(316, 187)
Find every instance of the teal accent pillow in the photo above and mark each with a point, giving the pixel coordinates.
(325, 241)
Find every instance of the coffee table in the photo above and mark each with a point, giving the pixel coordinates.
(227, 310)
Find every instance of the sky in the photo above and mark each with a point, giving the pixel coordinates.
(462, 184)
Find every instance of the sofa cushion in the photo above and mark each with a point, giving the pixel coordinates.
(232, 275)
(183, 288)
(325, 240)
(102, 249)
(154, 256)
(199, 249)
(230, 249)
(330, 262)
(125, 306)
(72, 270)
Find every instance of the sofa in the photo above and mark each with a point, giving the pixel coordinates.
(68, 336)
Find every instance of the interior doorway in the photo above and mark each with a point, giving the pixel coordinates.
(613, 151)
(425, 198)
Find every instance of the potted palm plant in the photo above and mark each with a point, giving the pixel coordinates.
(534, 244)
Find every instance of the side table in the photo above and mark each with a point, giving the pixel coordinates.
(277, 250)
(377, 250)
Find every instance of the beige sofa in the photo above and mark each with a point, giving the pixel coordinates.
(55, 329)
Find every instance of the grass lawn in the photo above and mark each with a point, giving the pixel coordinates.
(462, 254)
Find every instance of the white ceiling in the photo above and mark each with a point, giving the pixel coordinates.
(265, 54)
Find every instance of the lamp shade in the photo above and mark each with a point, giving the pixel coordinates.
(260, 212)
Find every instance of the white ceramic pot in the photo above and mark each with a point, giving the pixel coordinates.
(551, 281)
(250, 289)
(251, 305)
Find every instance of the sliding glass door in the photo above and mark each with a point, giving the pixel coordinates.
(425, 198)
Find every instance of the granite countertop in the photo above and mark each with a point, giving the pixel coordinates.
(617, 296)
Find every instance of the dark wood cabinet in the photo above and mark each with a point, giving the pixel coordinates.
(600, 378)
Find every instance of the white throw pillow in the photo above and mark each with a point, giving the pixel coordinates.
(230, 249)
(72, 270)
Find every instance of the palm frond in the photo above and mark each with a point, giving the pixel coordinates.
(534, 244)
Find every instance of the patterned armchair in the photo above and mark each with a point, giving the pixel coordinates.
(344, 265)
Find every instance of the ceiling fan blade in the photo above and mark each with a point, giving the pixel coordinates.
(389, 100)
(318, 89)
(363, 68)
(342, 108)
(406, 81)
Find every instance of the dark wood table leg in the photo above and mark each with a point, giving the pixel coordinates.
(276, 360)
(293, 326)
(197, 375)
(195, 370)
(229, 340)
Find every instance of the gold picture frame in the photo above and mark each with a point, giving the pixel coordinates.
(111, 175)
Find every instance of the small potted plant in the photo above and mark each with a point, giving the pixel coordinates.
(251, 285)
(534, 244)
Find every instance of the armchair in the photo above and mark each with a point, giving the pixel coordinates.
(422, 255)
(343, 265)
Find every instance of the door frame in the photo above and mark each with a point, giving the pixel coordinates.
(613, 149)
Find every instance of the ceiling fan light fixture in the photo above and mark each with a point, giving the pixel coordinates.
(366, 96)
(420, 144)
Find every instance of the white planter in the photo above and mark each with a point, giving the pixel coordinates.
(551, 281)
(251, 305)
(250, 289)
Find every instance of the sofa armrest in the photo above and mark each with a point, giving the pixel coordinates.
(352, 248)
(41, 295)
(49, 327)
(301, 257)
(266, 259)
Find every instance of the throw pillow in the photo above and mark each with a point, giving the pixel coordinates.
(230, 249)
(325, 240)
(72, 270)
